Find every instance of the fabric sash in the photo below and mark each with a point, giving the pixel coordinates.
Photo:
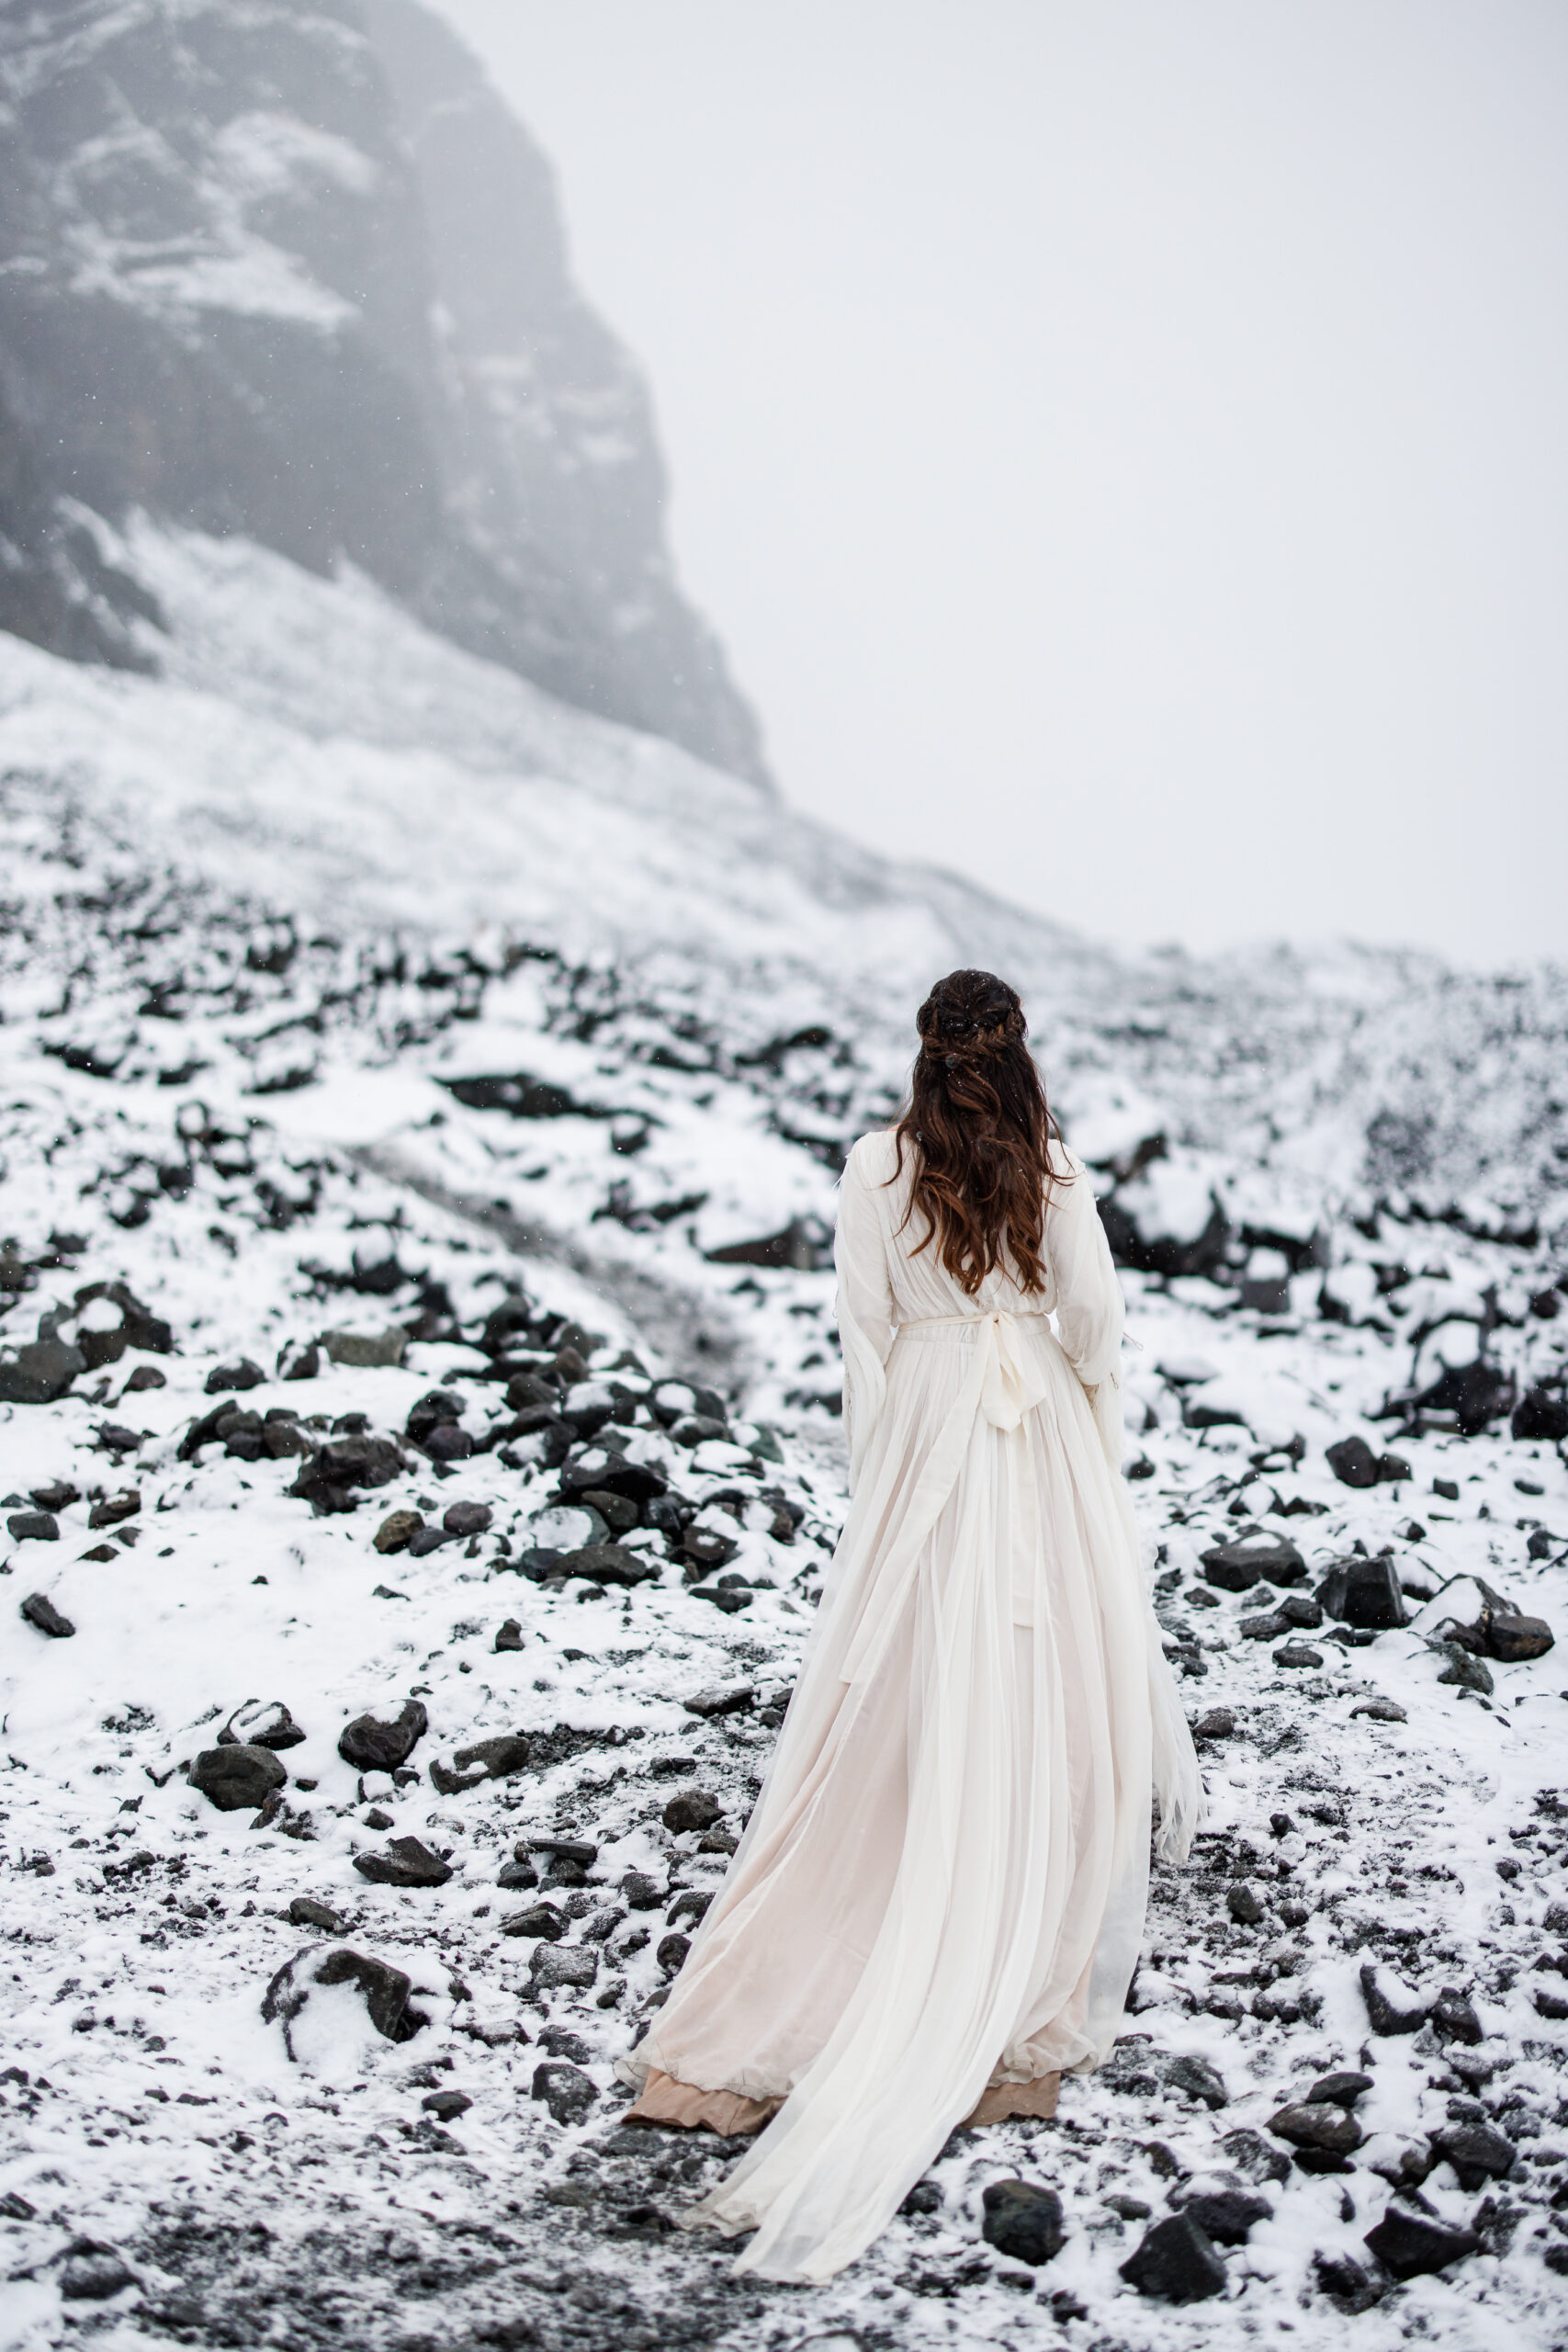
(1002, 1384)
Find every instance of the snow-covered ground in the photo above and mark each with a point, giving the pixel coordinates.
(350, 986)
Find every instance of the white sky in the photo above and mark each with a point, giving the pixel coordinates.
(1122, 444)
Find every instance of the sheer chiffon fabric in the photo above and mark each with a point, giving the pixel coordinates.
(938, 1901)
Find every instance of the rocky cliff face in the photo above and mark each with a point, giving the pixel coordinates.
(290, 271)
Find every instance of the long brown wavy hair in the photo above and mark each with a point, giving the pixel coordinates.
(979, 1132)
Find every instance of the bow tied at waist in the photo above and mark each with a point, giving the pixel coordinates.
(1001, 1385)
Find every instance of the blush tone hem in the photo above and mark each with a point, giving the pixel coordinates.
(730, 2113)
(999, 2100)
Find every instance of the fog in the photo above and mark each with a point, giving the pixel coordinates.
(1121, 446)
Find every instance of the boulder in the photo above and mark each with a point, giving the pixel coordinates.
(237, 1779)
(1410, 2243)
(607, 1563)
(1354, 1464)
(566, 2090)
(33, 1527)
(224, 1378)
(1227, 2214)
(404, 1863)
(596, 1466)
(385, 1991)
(1252, 2155)
(1176, 2262)
(90, 2272)
(1391, 2009)
(1468, 1612)
(1364, 1593)
(1540, 1418)
(541, 1919)
(1325, 2128)
(1299, 1656)
(485, 1760)
(554, 1965)
(1477, 2151)
(1339, 2090)
(366, 1351)
(41, 1613)
(1471, 1395)
(261, 1722)
(1511, 1639)
(1196, 2077)
(1022, 2221)
(396, 1530)
(1253, 1557)
(508, 1635)
(692, 1809)
(376, 1744)
(40, 1372)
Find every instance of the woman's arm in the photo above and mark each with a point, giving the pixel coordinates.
(864, 1300)
(1089, 1296)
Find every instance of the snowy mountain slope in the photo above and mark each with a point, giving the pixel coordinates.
(289, 268)
(514, 1010)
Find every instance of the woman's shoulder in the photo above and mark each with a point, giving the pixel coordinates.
(1065, 1164)
(875, 1156)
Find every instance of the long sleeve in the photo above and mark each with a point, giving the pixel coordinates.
(864, 1303)
(1089, 1296)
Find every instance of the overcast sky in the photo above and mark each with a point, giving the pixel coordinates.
(1124, 447)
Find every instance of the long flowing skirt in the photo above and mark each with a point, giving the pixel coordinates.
(942, 1885)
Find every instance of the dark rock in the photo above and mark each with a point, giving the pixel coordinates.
(607, 1564)
(1364, 1593)
(33, 1527)
(1381, 1711)
(427, 1540)
(372, 1744)
(1410, 2243)
(1478, 2151)
(38, 1371)
(1022, 2221)
(405, 1862)
(1197, 2078)
(385, 1991)
(1454, 2017)
(486, 1759)
(672, 1953)
(448, 1443)
(1217, 1723)
(334, 1470)
(226, 1377)
(552, 1965)
(299, 1360)
(710, 1703)
(1462, 1671)
(924, 2197)
(565, 2089)
(114, 1509)
(1344, 2280)
(619, 1515)
(1254, 1557)
(446, 2106)
(1339, 2090)
(1227, 2214)
(237, 1779)
(1540, 1418)
(467, 1518)
(1327, 2130)
(1387, 2014)
(1251, 2154)
(1512, 1639)
(58, 1494)
(543, 1920)
(640, 1891)
(91, 2273)
(595, 1465)
(440, 1408)
(1475, 1394)
(1176, 2262)
(1298, 1656)
(261, 1722)
(566, 1849)
(508, 1635)
(1242, 1905)
(514, 1876)
(695, 1429)
(304, 1911)
(692, 1809)
(395, 1530)
(114, 1438)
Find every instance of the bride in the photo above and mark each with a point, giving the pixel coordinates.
(936, 1907)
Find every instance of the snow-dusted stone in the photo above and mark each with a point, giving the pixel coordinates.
(467, 1518)
(1363, 1592)
(1196, 2077)
(406, 1862)
(226, 1377)
(379, 1743)
(552, 1966)
(1216, 1723)
(1253, 2155)
(33, 1527)
(1176, 2262)
(508, 1635)
(1392, 2008)
(366, 1351)
(1315, 2125)
(1464, 1671)
(486, 1759)
(565, 2089)
(607, 1564)
(381, 1989)
(1512, 1639)
(541, 1919)
(237, 1779)
(1253, 1557)
(1477, 2151)
(1298, 1657)
(353, 1460)
(40, 1372)
(1021, 2220)
(737, 1701)
(1540, 1417)
(91, 2272)
(692, 1809)
(261, 1722)
(1410, 2243)
(1381, 1711)
(1227, 2213)
(614, 1470)
(41, 1613)
(397, 1530)
(1354, 1464)
(1339, 2091)
(1468, 1612)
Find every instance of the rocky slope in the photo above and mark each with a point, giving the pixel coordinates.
(417, 1319)
(290, 270)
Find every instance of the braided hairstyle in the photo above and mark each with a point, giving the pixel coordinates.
(978, 1131)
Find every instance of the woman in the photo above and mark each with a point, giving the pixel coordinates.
(936, 1907)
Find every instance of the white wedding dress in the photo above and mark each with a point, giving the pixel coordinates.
(936, 1906)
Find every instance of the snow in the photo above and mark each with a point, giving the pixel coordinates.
(325, 848)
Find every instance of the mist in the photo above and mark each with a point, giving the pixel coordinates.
(1121, 449)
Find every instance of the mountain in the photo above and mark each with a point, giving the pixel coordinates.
(290, 271)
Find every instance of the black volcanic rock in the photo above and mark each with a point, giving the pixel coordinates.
(281, 202)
